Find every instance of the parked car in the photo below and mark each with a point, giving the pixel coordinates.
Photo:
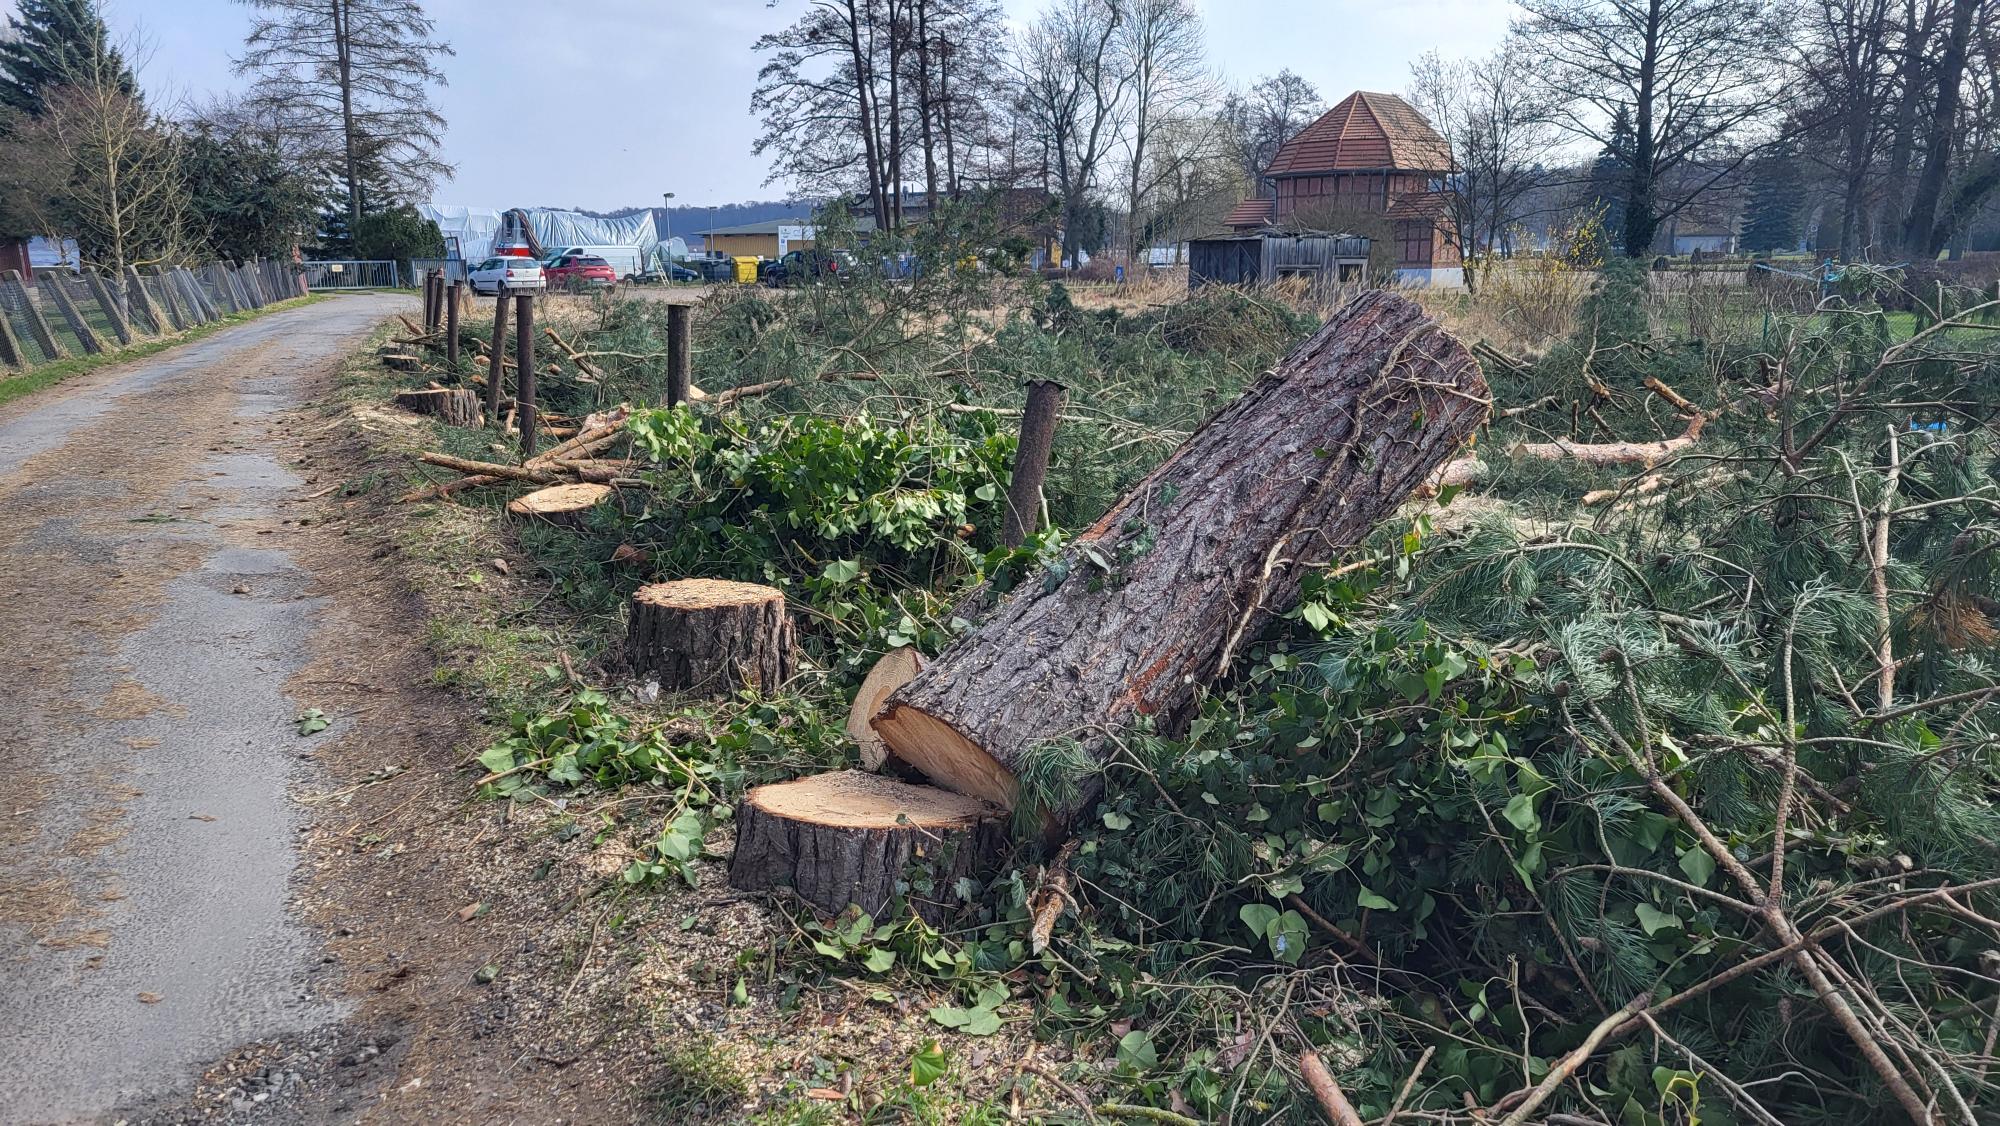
(801, 266)
(574, 272)
(504, 272)
(683, 274)
(626, 261)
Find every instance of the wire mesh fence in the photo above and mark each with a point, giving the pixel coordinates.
(80, 312)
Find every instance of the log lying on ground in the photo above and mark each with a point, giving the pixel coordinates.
(897, 667)
(1156, 600)
(567, 506)
(710, 635)
(598, 434)
(455, 406)
(851, 837)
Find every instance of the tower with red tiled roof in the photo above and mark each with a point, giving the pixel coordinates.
(1371, 153)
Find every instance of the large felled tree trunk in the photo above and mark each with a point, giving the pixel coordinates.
(1155, 601)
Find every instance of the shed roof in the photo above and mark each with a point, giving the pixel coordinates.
(1366, 130)
(1252, 212)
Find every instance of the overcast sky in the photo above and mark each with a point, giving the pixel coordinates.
(607, 103)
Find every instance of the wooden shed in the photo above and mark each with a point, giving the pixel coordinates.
(1267, 256)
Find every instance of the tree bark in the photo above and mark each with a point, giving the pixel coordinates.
(566, 506)
(1158, 598)
(852, 838)
(710, 635)
(1031, 461)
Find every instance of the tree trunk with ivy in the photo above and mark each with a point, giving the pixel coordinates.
(1168, 589)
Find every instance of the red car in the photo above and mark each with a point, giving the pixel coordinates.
(580, 271)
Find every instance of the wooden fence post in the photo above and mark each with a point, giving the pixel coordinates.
(218, 278)
(37, 324)
(10, 345)
(524, 370)
(171, 301)
(496, 368)
(141, 303)
(680, 379)
(451, 328)
(191, 286)
(113, 315)
(1031, 461)
(86, 337)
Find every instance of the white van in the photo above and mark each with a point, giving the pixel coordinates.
(625, 260)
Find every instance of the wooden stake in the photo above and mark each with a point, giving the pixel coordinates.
(451, 327)
(679, 351)
(1031, 461)
(115, 317)
(494, 374)
(524, 364)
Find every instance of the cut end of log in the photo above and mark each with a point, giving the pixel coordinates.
(946, 756)
(852, 838)
(566, 505)
(896, 668)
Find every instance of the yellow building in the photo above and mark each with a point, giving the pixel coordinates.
(768, 240)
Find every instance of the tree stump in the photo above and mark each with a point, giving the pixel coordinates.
(853, 838)
(896, 668)
(455, 406)
(1157, 599)
(566, 506)
(710, 635)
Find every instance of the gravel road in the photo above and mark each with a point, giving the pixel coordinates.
(152, 614)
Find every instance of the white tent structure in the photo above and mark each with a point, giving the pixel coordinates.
(476, 229)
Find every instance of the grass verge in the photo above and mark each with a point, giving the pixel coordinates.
(48, 375)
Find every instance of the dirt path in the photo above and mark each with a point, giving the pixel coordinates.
(170, 609)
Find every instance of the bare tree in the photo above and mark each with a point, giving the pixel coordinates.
(1685, 70)
(1192, 178)
(1923, 234)
(1274, 109)
(1072, 91)
(1848, 72)
(1162, 41)
(351, 78)
(1501, 137)
(98, 166)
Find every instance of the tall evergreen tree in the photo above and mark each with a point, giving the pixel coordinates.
(347, 76)
(1776, 186)
(1611, 173)
(50, 43)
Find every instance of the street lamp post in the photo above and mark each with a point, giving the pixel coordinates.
(669, 209)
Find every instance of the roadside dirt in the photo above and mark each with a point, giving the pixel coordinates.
(206, 915)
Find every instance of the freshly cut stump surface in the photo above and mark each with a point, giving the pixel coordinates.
(850, 837)
(457, 406)
(710, 635)
(565, 505)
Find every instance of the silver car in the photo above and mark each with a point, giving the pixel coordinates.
(506, 272)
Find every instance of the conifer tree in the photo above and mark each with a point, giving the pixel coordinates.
(1773, 219)
(50, 43)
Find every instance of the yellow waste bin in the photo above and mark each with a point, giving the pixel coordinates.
(746, 268)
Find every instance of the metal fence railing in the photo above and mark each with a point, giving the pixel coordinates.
(69, 312)
(454, 268)
(349, 273)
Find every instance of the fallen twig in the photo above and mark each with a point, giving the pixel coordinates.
(1326, 1092)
